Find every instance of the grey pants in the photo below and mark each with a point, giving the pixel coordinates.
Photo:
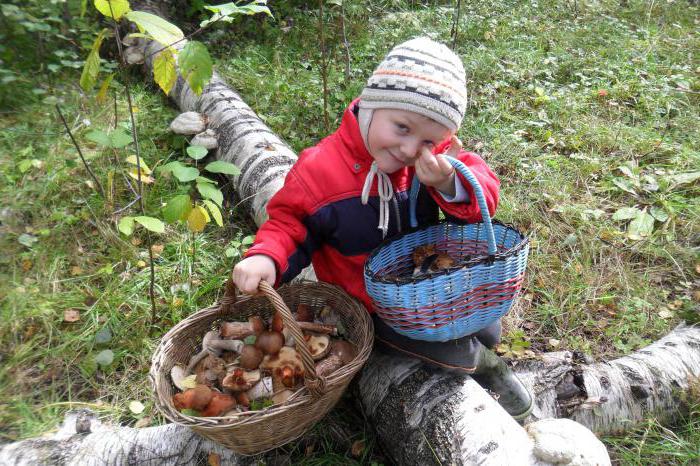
(459, 355)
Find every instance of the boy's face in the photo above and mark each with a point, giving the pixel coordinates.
(396, 137)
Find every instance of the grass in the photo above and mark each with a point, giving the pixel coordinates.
(581, 109)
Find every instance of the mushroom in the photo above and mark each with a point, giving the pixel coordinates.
(318, 328)
(240, 330)
(219, 404)
(178, 374)
(211, 344)
(270, 342)
(423, 252)
(205, 139)
(251, 357)
(277, 323)
(319, 345)
(240, 380)
(133, 55)
(304, 313)
(189, 123)
(328, 316)
(285, 366)
(280, 392)
(210, 370)
(289, 339)
(341, 353)
(196, 398)
(260, 390)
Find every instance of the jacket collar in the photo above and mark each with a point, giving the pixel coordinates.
(357, 157)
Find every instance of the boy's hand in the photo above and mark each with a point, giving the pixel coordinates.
(248, 273)
(436, 171)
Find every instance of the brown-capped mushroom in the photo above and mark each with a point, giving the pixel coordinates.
(208, 338)
(318, 328)
(196, 398)
(251, 357)
(341, 353)
(318, 345)
(304, 313)
(240, 380)
(210, 370)
(241, 330)
(423, 252)
(219, 404)
(277, 323)
(269, 342)
(328, 316)
(285, 366)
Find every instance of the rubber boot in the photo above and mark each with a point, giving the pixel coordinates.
(493, 374)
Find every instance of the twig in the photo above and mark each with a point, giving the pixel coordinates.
(455, 24)
(115, 110)
(80, 152)
(187, 37)
(324, 69)
(126, 206)
(346, 44)
(134, 135)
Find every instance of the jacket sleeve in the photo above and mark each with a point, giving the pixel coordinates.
(488, 180)
(284, 237)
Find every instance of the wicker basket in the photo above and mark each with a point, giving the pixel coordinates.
(254, 432)
(460, 300)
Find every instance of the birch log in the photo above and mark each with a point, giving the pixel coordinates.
(422, 416)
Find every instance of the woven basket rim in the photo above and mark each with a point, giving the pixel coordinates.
(301, 396)
(479, 260)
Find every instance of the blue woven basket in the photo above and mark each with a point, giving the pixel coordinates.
(458, 301)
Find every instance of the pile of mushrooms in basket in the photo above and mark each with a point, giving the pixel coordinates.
(251, 365)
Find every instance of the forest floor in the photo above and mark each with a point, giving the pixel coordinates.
(589, 112)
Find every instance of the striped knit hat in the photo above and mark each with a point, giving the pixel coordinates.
(421, 76)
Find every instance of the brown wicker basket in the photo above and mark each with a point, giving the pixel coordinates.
(254, 432)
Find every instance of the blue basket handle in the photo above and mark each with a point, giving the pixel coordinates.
(467, 173)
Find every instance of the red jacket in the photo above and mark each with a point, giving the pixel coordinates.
(317, 215)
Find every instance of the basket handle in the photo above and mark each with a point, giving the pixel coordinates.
(315, 384)
(478, 191)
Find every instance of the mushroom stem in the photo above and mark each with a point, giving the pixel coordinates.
(329, 365)
(318, 328)
(241, 330)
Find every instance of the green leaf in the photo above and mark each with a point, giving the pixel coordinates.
(101, 96)
(105, 357)
(204, 179)
(26, 239)
(228, 11)
(215, 212)
(659, 214)
(197, 152)
(100, 137)
(626, 213)
(126, 225)
(118, 7)
(248, 240)
(24, 165)
(641, 226)
(220, 166)
(684, 178)
(209, 191)
(177, 208)
(195, 65)
(136, 407)
(197, 219)
(92, 64)
(120, 138)
(180, 171)
(159, 29)
(164, 70)
(151, 223)
(103, 335)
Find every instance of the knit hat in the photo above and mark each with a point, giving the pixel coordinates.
(421, 76)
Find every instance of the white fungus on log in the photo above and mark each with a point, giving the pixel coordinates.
(189, 123)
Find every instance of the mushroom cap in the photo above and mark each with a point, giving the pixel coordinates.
(345, 350)
(270, 342)
(219, 404)
(239, 380)
(285, 366)
(277, 323)
(251, 357)
(421, 252)
(304, 313)
(319, 345)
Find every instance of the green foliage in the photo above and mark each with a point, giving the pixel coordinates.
(195, 65)
(164, 70)
(156, 27)
(92, 63)
(197, 152)
(227, 12)
(220, 166)
(177, 208)
(113, 8)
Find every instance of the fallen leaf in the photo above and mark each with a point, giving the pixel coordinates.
(26, 265)
(665, 313)
(135, 241)
(214, 459)
(71, 315)
(157, 249)
(136, 407)
(554, 343)
(190, 382)
(76, 270)
(357, 448)
(696, 296)
(602, 93)
(141, 264)
(177, 302)
(143, 422)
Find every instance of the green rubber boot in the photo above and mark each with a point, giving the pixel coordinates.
(493, 374)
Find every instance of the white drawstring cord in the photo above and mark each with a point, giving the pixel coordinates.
(386, 193)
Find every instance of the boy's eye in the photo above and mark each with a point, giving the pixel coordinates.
(430, 144)
(402, 128)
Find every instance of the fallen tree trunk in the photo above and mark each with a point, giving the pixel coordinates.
(438, 417)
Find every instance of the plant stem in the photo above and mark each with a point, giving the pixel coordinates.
(455, 24)
(346, 44)
(324, 68)
(80, 152)
(134, 134)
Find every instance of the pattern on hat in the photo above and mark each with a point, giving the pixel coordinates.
(422, 76)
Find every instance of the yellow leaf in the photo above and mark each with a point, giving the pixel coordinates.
(112, 8)
(164, 71)
(141, 264)
(144, 168)
(101, 96)
(190, 381)
(134, 173)
(76, 270)
(197, 219)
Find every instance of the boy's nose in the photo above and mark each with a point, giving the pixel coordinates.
(410, 149)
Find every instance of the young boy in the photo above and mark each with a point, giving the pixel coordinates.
(330, 212)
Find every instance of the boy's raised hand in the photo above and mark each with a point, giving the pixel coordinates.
(434, 169)
(248, 273)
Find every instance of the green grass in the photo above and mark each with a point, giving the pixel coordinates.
(581, 112)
